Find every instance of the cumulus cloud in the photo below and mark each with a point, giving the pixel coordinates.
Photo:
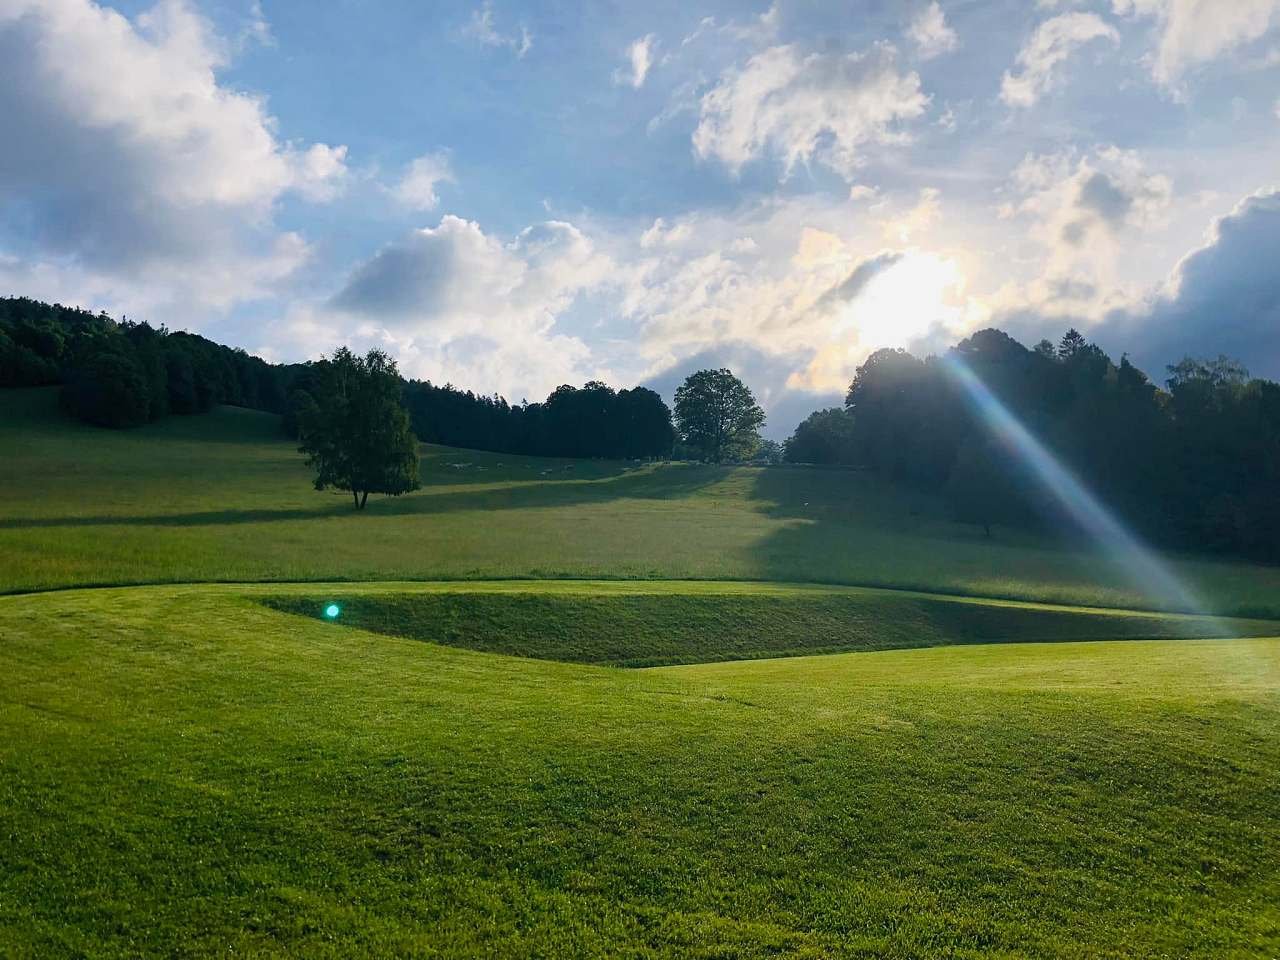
(1192, 32)
(639, 60)
(1052, 43)
(455, 301)
(1223, 297)
(158, 176)
(823, 107)
(482, 27)
(1083, 209)
(416, 188)
(929, 32)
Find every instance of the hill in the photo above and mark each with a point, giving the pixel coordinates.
(225, 497)
(184, 770)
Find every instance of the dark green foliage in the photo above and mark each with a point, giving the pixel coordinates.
(1196, 467)
(643, 630)
(101, 361)
(594, 421)
(824, 437)
(110, 388)
(354, 429)
(717, 416)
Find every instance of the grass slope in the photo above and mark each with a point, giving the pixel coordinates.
(640, 625)
(185, 771)
(222, 497)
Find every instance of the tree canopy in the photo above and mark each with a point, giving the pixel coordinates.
(717, 416)
(1195, 465)
(354, 429)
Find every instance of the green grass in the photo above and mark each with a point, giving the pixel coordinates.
(642, 625)
(459, 769)
(186, 771)
(222, 497)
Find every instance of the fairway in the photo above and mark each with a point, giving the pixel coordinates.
(186, 770)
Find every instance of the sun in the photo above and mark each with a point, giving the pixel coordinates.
(904, 302)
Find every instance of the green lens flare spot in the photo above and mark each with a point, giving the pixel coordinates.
(332, 611)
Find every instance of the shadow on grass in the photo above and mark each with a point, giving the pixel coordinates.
(664, 482)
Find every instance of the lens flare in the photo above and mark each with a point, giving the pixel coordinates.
(1142, 565)
(332, 611)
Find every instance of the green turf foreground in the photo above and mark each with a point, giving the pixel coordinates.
(185, 771)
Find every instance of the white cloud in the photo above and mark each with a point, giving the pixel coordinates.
(1053, 42)
(141, 167)
(417, 186)
(930, 34)
(1192, 32)
(639, 60)
(1085, 212)
(458, 304)
(482, 27)
(824, 107)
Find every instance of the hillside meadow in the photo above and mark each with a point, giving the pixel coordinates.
(224, 497)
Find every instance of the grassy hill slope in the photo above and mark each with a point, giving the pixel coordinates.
(640, 624)
(184, 770)
(222, 497)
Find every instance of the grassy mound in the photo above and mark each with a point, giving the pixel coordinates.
(630, 628)
(184, 771)
(224, 497)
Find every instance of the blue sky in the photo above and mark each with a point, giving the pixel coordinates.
(509, 196)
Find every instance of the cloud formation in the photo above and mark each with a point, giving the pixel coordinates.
(133, 161)
(639, 61)
(817, 107)
(929, 32)
(1223, 297)
(1052, 43)
(416, 188)
(457, 301)
(1193, 32)
(483, 28)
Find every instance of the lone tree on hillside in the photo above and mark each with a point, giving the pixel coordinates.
(717, 416)
(354, 429)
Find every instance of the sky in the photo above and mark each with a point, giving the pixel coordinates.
(510, 196)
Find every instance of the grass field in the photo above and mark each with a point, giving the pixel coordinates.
(462, 769)
(222, 497)
(186, 771)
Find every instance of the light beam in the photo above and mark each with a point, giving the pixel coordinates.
(1140, 562)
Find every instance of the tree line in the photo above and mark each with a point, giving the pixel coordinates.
(122, 374)
(1194, 464)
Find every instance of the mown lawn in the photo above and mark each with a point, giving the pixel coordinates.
(185, 771)
(223, 497)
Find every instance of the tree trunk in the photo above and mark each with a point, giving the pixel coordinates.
(364, 498)
(355, 495)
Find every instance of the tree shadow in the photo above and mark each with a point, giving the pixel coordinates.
(657, 482)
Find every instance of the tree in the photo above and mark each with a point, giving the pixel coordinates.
(982, 489)
(1071, 343)
(717, 416)
(825, 436)
(356, 431)
(110, 389)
